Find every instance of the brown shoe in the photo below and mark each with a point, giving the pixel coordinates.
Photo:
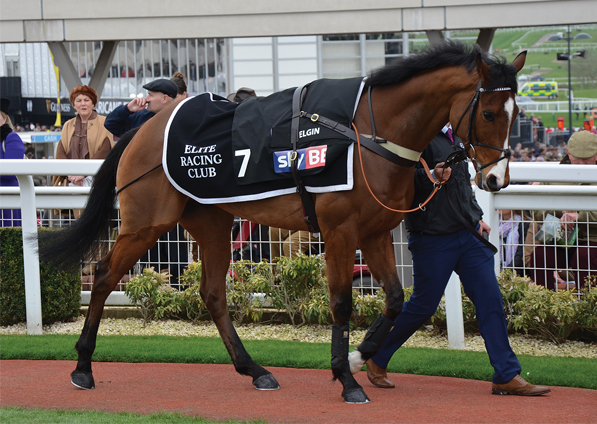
(518, 386)
(378, 376)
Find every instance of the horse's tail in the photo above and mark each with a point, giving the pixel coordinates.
(66, 248)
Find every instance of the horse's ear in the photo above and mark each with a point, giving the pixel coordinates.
(519, 61)
(482, 69)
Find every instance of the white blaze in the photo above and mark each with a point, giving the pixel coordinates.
(499, 170)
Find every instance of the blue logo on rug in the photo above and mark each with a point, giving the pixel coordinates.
(311, 157)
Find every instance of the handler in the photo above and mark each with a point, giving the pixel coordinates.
(440, 243)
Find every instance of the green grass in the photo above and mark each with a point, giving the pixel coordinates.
(553, 371)
(33, 416)
(550, 119)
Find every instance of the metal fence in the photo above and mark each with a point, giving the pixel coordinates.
(52, 206)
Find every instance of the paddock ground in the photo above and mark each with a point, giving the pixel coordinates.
(218, 393)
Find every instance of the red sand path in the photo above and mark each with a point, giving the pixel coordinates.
(217, 392)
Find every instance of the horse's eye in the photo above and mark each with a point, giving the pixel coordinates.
(489, 116)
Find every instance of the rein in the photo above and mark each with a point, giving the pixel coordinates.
(437, 185)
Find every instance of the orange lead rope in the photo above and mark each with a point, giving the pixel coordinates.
(437, 184)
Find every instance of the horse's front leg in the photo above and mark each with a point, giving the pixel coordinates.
(340, 251)
(379, 255)
(210, 227)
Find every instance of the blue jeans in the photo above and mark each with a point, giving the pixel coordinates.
(434, 259)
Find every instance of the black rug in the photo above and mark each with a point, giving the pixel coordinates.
(216, 151)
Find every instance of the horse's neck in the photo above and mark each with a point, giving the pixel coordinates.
(411, 113)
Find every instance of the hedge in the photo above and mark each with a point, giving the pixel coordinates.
(297, 289)
(60, 291)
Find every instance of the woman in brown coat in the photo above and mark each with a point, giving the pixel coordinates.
(83, 137)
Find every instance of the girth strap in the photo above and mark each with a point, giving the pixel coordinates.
(308, 205)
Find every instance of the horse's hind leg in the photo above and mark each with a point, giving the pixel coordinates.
(211, 227)
(125, 253)
(379, 254)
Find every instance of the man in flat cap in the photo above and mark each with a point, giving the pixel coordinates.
(582, 148)
(580, 259)
(160, 93)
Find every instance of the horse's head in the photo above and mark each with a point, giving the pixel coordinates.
(484, 124)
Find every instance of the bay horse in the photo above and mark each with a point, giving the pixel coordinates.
(409, 103)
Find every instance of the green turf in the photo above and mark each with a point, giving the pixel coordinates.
(555, 371)
(34, 416)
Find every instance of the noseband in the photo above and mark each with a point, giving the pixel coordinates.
(471, 135)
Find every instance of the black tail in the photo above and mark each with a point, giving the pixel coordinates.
(66, 248)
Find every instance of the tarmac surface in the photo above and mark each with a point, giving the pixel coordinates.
(218, 393)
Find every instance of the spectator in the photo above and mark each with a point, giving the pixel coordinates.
(522, 114)
(581, 257)
(83, 137)
(12, 148)
(290, 243)
(513, 230)
(441, 244)
(250, 241)
(160, 93)
(168, 254)
(30, 152)
(241, 94)
(181, 86)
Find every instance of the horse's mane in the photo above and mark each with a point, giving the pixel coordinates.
(449, 53)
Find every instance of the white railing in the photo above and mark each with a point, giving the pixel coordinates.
(518, 197)
(578, 105)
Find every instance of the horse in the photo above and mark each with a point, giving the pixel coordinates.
(407, 103)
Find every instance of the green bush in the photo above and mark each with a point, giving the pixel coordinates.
(243, 281)
(298, 289)
(193, 307)
(60, 291)
(154, 298)
(366, 308)
(296, 280)
(554, 315)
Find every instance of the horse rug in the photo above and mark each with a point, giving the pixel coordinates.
(216, 151)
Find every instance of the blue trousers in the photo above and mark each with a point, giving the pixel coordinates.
(434, 259)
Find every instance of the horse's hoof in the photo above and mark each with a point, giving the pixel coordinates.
(266, 382)
(82, 380)
(355, 396)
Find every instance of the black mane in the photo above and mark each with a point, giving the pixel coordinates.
(449, 53)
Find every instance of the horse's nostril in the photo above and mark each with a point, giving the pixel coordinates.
(492, 183)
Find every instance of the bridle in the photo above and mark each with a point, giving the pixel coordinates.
(471, 135)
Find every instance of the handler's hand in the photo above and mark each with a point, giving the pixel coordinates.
(136, 105)
(442, 174)
(483, 226)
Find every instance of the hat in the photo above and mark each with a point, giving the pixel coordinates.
(4, 104)
(85, 90)
(583, 145)
(244, 93)
(163, 85)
